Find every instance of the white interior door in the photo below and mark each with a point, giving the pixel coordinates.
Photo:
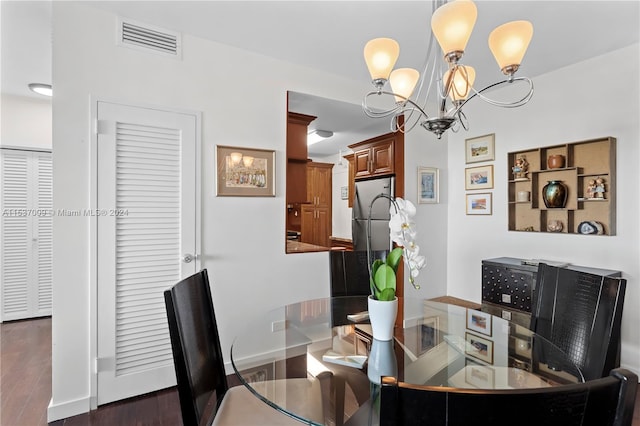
(26, 228)
(147, 225)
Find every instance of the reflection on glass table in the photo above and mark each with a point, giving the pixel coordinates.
(439, 345)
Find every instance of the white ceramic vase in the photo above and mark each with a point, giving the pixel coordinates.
(382, 361)
(382, 315)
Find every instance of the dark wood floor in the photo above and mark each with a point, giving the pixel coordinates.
(25, 391)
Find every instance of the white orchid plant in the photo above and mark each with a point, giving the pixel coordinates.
(402, 230)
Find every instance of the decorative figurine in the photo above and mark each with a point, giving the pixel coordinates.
(599, 190)
(554, 226)
(520, 168)
(591, 189)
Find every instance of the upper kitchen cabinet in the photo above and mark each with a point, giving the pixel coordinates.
(375, 157)
(297, 125)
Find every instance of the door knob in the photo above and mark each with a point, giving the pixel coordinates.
(188, 258)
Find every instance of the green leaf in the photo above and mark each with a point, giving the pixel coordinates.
(374, 268)
(385, 277)
(393, 259)
(388, 294)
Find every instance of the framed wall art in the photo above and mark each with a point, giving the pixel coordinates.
(478, 177)
(480, 149)
(428, 185)
(479, 204)
(428, 335)
(245, 172)
(479, 321)
(479, 348)
(479, 376)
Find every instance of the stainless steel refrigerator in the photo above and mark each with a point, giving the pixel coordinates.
(366, 191)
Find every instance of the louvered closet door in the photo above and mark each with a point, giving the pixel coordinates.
(26, 235)
(146, 226)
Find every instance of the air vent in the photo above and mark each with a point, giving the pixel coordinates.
(146, 37)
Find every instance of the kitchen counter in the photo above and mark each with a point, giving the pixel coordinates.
(298, 247)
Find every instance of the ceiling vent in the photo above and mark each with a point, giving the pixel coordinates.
(149, 38)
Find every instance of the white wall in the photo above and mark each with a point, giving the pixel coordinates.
(341, 215)
(25, 122)
(243, 251)
(222, 83)
(579, 102)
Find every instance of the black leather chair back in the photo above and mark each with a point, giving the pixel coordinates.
(195, 342)
(607, 401)
(349, 272)
(581, 313)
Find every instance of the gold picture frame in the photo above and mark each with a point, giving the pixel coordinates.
(479, 204)
(245, 172)
(479, 347)
(478, 177)
(481, 148)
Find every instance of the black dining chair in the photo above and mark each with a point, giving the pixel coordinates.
(581, 313)
(205, 396)
(349, 272)
(607, 401)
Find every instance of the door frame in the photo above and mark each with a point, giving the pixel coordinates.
(93, 220)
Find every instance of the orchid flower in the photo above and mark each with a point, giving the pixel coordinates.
(402, 231)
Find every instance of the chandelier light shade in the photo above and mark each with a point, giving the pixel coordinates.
(452, 24)
(402, 82)
(509, 43)
(381, 55)
(462, 83)
(444, 79)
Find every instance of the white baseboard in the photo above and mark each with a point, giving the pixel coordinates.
(67, 409)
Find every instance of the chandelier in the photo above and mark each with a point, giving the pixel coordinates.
(451, 24)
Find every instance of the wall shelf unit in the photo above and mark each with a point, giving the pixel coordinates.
(584, 161)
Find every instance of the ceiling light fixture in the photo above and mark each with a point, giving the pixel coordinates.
(451, 24)
(316, 135)
(41, 89)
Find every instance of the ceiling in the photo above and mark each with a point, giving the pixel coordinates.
(330, 35)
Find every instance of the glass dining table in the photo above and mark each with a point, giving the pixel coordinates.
(324, 345)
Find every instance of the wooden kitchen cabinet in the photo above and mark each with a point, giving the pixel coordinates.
(316, 214)
(297, 125)
(319, 183)
(352, 176)
(316, 225)
(374, 157)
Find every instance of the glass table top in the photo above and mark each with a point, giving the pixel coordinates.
(312, 348)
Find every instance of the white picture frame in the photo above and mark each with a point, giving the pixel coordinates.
(428, 185)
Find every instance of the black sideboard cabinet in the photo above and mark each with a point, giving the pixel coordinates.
(508, 284)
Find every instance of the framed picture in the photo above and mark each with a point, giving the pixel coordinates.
(245, 172)
(478, 177)
(480, 376)
(479, 347)
(480, 148)
(428, 189)
(479, 204)
(428, 334)
(479, 321)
